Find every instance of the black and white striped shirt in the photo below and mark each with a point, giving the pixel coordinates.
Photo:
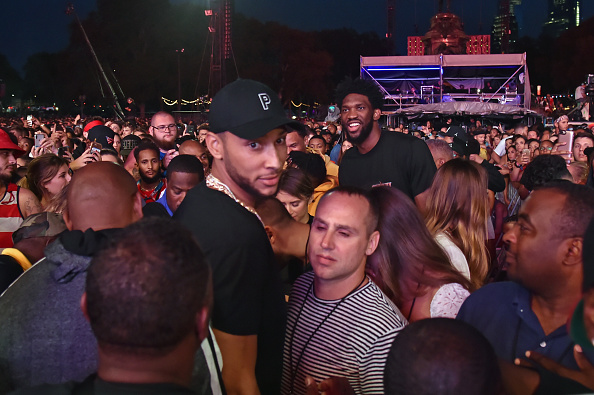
(353, 342)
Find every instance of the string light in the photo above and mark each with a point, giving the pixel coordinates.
(185, 102)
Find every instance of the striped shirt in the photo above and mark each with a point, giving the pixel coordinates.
(353, 342)
(10, 215)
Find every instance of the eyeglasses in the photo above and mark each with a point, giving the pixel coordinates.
(543, 149)
(161, 128)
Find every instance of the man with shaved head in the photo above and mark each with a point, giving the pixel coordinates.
(164, 131)
(199, 150)
(44, 337)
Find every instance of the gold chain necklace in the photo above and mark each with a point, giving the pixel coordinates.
(214, 183)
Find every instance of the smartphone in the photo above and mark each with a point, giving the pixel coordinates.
(61, 152)
(96, 147)
(526, 152)
(38, 139)
(566, 138)
(30, 120)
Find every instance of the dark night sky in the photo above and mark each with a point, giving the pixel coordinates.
(30, 26)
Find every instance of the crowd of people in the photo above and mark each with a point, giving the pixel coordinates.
(257, 253)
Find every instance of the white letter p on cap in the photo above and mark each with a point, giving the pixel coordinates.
(264, 99)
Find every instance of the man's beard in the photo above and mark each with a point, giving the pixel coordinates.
(165, 145)
(365, 132)
(149, 180)
(245, 184)
(7, 176)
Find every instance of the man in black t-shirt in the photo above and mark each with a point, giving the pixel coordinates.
(247, 142)
(388, 158)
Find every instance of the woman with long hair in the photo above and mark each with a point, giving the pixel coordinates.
(409, 266)
(46, 176)
(295, 191)
(456, 214)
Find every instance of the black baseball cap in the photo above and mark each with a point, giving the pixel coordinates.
(248, 109)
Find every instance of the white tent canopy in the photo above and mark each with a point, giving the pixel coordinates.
(465, 108)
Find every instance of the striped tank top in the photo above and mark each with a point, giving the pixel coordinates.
(10, 215)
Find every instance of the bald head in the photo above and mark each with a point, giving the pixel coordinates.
(192, 147)
(273, 213)
(102, 195)
(197, 149)
(441, 151)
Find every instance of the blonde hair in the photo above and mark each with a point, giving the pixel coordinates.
(457, 205)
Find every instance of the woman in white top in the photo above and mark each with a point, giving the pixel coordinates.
(409, 266)
(457, 211)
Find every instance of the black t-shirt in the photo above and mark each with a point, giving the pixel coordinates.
(248, 298)
(400, 160)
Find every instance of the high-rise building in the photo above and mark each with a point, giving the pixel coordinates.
(563, 14)
(505, 27)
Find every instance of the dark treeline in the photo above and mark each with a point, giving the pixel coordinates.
(136, 40)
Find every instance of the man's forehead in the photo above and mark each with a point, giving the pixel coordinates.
(542, 205)
(355, 98)
(163, 120)
(147, 153)
(350, 210)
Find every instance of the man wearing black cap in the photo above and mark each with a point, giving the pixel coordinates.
(16, 203)
(247, 142)
(394, 159)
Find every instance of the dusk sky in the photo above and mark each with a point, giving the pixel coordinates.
(30, 26)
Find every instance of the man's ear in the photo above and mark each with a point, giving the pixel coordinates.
(137, 207)
(202, 320)
(372, 243)
(377, 113)
(270, 234)
(214, 143)
(572, 249)
(83, 305)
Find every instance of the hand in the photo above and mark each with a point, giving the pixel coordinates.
(557, 151)
(476, 158)
(87, 157)
(330, 386)
(36, 151)
(77, 118)
(170, 155)
(35, 121)
(584, 375)
(48, 145)
(68, 156)
(523, 160)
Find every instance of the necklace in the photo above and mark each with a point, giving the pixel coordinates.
(296, 368)
(214, 183)
(151, 194)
